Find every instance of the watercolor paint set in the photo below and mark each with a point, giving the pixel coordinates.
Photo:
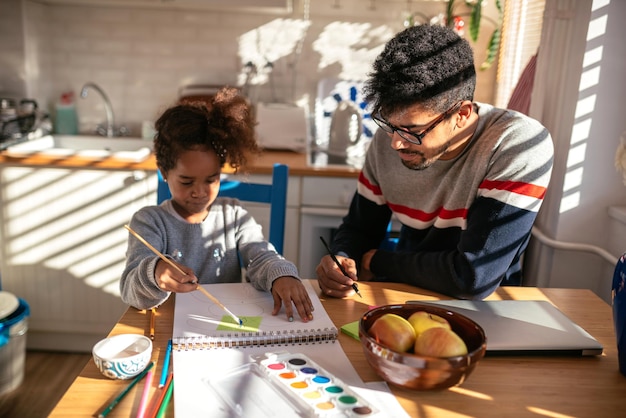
(287, 384)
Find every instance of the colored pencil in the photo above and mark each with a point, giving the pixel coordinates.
(152, 319)
(173, 264)
(156, 405)
(166, 364)
(144, 395)
(345, 273)
(125, 391)
(166, 399)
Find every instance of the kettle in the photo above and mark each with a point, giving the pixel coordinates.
(17, 119)
(346, 127)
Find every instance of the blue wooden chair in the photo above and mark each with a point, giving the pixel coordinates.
(274, 194)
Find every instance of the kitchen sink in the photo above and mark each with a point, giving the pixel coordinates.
(83, 146)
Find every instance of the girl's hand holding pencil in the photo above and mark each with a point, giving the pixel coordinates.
(171, 279)
(191, 279)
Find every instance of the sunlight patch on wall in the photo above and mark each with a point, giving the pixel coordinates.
(352, 46)
(569, 202)
(585, 106)
(597, 27)
(262, 47)
(589, 78)
(576, 155)
(573, 179)
(580, 131)
(593, 56)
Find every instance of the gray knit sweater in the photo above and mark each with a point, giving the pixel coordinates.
(213, 249)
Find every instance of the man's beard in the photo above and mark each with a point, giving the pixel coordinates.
(424, 163)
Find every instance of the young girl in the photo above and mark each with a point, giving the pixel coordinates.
(205, 234)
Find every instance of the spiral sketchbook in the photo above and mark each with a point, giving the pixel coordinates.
(207, 344)
(201, 324)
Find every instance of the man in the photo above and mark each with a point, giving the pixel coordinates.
(465, 179)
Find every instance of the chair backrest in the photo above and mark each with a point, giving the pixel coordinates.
(274, 194)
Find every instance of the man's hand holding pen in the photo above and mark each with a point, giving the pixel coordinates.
(333, 280)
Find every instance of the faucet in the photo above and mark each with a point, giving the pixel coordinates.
(110, 132)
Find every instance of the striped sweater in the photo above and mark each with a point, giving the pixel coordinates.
(466, 221)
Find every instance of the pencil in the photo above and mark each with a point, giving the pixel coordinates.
(166, 364)
(173, 264)
(143, 403)
(159, 400)
(166, 399)
(152, 319)
(124, 391)
(345, 273)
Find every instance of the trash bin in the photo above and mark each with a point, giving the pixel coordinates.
(14, 314)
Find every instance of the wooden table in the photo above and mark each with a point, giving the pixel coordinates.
(500, 386)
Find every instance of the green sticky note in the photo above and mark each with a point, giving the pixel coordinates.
(250, 324)
(351, 329)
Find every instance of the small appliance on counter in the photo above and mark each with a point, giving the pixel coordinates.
(345, 129)
(343, 124)
(19, 119)
(198, 92)
(282, 126)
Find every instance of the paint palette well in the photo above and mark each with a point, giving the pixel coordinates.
(321, 393)
(287, 384)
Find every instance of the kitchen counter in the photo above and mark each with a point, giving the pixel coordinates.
(62, 228)
(297, 163)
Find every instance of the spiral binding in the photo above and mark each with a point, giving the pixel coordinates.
(252, 339)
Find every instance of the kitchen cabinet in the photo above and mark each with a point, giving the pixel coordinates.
(268, 6)
(64, 247)
(325, 201)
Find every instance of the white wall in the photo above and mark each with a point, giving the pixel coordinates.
(579, 93)
(142, 56)
(12, 68)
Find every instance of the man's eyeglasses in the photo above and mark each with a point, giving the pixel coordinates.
(412, 137)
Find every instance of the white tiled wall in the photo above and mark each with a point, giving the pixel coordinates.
(142, 56)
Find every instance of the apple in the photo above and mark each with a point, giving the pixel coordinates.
(422, 320)
(439, 342)
(394, 332)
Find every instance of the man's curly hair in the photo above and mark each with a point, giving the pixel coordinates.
(429, 65)
(225, 125)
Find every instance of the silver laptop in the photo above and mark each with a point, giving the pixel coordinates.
(520, 327)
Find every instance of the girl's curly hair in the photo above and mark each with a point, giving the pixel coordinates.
(428, 65)
(224, 124)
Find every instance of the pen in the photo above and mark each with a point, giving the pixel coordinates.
(166, 364)
(354, 285)
(124, 392)
(152, 319)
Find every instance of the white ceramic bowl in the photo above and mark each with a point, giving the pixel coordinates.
(122, 356)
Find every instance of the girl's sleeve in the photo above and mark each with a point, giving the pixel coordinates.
(262, 263)
(138, 286)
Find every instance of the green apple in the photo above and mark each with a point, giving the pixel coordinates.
(394, 332)
(422, 320)
(440, 342)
